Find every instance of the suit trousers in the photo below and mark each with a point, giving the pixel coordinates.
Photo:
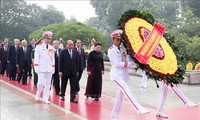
(12, 71)
(78, 79)
(4, 66)
(123, 90)
(56, 82)
(164, 92)
(73, 85)
(35, 78)
(23, 73)
(44, 83)
(30, 71)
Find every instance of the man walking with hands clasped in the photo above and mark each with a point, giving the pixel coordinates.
(44, 64)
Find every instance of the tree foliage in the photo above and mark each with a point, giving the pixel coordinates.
(18, 19)
(181, 17)
(71, 30)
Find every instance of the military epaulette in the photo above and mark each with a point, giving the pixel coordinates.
(39, 44)
(111, 47)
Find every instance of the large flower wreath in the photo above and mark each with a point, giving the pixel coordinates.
(166, 62)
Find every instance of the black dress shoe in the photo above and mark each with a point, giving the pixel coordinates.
(24, 83)
(62, 98)
(58, 93)
(73, 101)
(96, 99)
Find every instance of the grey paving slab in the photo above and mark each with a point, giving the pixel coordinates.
(150, 95)
(13, 107)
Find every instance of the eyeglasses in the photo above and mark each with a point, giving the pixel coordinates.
(49, 38)
(118, 39)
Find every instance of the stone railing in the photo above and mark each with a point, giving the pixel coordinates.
(192, 77)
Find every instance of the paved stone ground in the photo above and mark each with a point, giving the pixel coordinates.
(14, 107)
(150, 95)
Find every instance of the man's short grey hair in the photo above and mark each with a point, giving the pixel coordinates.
(23, 41)
(69, 41)
(16, 40)
(55, 41)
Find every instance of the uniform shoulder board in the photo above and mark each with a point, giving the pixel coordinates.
(111, 47)
(39, 44)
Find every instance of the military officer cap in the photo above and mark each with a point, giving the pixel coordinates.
(47, 34)
(38, 42)
(116, 34)
(93, 40)
(60, 39)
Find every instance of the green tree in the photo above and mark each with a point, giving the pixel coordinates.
(71, 30)
(109, 11)
(18, 19)
(194, 4)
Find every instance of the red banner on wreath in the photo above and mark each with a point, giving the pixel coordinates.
(150, 44)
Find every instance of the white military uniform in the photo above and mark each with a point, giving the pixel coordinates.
(44, 64)
(163, 96)
(144, 82)
(119, 74)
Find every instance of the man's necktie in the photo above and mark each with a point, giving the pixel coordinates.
(25, 53)
(47, 46)
(70, 52)
(57, 53)
(79, 51)
(118, 48)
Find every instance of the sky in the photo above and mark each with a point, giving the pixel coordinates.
(82, 9)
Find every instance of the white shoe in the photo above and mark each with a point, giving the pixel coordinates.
(190, 104)
(162, 115)
(114, 118)
(144, 86)
(140, 85)
(36, 98)
(46, 102)
(142, 111)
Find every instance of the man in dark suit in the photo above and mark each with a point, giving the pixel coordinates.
(82, 62)
(23, 62)
(12, 58)
(3, 59)
(55, 77)
(68, 69)
(31, 46)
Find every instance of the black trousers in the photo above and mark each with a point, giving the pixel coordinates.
(30, 71)
(78, 79)
(56, 82)
(23, 71)
(12, 71)
(4, 66)
(35, 78)
(73, 85)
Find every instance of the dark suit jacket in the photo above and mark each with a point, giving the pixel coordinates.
(3, 55)
(82, 62)
(57, 60)
(12, 54)
(30, 47)
(68, 65)
(21, 57)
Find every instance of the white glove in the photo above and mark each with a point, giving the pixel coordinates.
(128, 58)
(36, 69)
(132, 65)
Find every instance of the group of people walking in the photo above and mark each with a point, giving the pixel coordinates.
(52, 63)
(15, 60)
